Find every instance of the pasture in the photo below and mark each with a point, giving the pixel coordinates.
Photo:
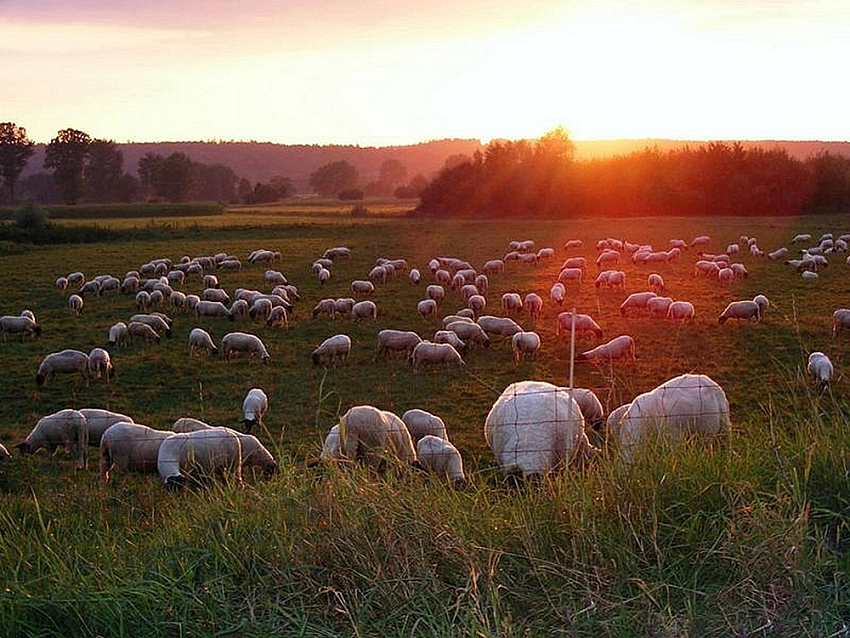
(745, 540)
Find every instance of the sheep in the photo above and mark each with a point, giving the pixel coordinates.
(622, 347)
(820, 368)
(66, 428)
(198, 456)
(744, 309)
(435, 292)
(254, 406)
(62, 283)
(100, 364)
(397, 341)
(470, 333)
(779, 253)
(583, 323)
(261, 308)
(570, 276)
(76, 279)
(525, 344)
(690, 404)
(428, 353)
(375, 437)
(656, 282)
(336, 252)
(142, 331)
(493, 267)
(421, 423)
(706, 268)
(533, 304)
(558, 293)
(28, 314)
(343, 306)
(590, 405)
(99, 420)
(450, 337)
(414, 276)
(275, 277)
(500, 326)
(840, 321)
(364, 310)
(658, 306)
(802, 238)
(573, 243)
(215, 294)
(332, 446)
(65, 361)
(535, 427)
(75, 304)
(235, 342)
(334, 349)
(763, 303)
(118, 334)
(155, 321)
(278, 318)
(201, 339)
(326, 307)
(205, 308)
(90, 288)
(809, 275)
(438, 456)
(681, 311)
(426, 308)
(636, 301)
(739, 270)
(19, 325)
(511, 303)
(482, 283)
(467, 291)
(701, 240)
(477, 303)
(575, 262)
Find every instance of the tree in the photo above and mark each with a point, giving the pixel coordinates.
(170, 177)
(103, 170)
(214, 182)
(393, 173)
(246, 193)
(331, 179)
(15, 151)
(66, 155)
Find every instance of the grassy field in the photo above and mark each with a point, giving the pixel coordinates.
(749, 540)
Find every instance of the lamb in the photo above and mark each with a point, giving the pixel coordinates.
(375, 437)
(364, 310)
(421, 423)
(745, 309)
(435, 292)
(397, 341)
(690, 404)
(428, 353)
(820, 368)
(438, 456)
(143, 332)
(656, 282)
(334, 349)
(75, 304)
(118, 334)
(206, 308)
(254, 406)
(583, 323)
(636, 301)
(470, 333)
(99, 420)
(19, 325)
(66, 362)
(622, 347)
(525, 344)
(840, 321)
(199, 456)
(415, 276)
(680, 311)
(535, 427)
(763, 303)
(66, 428)
(235, 342)
(100, 364)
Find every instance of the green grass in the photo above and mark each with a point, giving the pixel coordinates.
(748, 539)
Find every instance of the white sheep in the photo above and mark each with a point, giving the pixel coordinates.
(477, 303)
(364, 310)
(215, 294)
(75, 304)
(156, 321)
(118, 334)
(375, 437)
(428, 353)
(422, 423)
(450, 337)
(535, 427)
(65, 428)
(278, 318)
(332, 446)
(63, 362)
(99, 420)
(252, 345)
(201, 339)
(622, 347)
(100, 364)
(636, 301)
(493, 267)
(840, 321)
(199, 456)
(254, 406)
(438, 456)
(656, 282)
(763, 303)
(326, 307)
(744, 309)
(533, 304)
(426, 308)
(525, 344)
(687, 405)
(583, 323)
(820, 368)
(332, 350)
(590, 405)
(19, 325)
(511, 302)
(204, 308)
(435, 292)
(414, 275)
(681, 311)
(397, 341)
(143, 331)
(658, 306)
(470, 333)
(558, 293)
(499, 326)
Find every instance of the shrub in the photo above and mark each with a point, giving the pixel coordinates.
(359, 210)
(351, 194)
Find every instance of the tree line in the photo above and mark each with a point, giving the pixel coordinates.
(542, 179)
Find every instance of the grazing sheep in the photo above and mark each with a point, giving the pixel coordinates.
(19, 325)
(364, 310)
(99, 420)
(681, 311)
(236, 342)
(63, 362)
(499, 326)
(583, 323)
(201, 339)
(450, 337)
(435, 292)
(493, 267)
(525, 344)
(820, 368)
(375, 437)
(426, 308)
(840, 321)
(62, 283)
(278, 318)
(421, 423)
(428, 353)
(397, 341)
(343, 306)
(332, 446)
(100, 364)
(155, 321)
(75, 304)
(622, 347)
(533, 304)
(477, 303)
(570, 276)
(469, 333)
(254, 406)
(535, 427)
(66, 428)
(204, 308)
(438, 456)
(690, 404)
(658, 306)
(763, 303)
(199, 456)
(636, 301)
(745, 309)
(511, 302)
(325, 307)
(143, 331)
(415, 276)
(558, 293)
(656, 282)
(334, 349)
(118, 334)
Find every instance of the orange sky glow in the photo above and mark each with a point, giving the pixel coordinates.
(379, 73)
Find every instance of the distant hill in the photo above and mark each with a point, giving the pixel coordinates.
(258, 162)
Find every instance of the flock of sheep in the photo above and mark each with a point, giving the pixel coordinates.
(533, 427)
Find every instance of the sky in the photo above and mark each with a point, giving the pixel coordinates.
(389, 72)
